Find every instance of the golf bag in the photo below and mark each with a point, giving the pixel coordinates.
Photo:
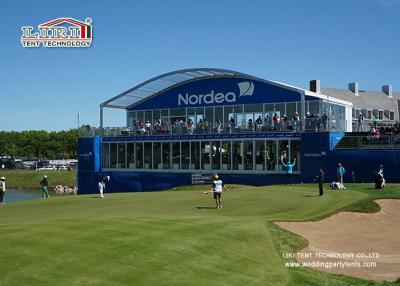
(337, 186)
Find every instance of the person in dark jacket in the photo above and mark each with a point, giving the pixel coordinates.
(320, 179)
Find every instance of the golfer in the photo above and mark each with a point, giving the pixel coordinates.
(217, 187)
(320, 180)
(2, 189)
(102, 185)
(45, 187)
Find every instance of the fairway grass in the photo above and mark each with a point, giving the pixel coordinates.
(168, 238)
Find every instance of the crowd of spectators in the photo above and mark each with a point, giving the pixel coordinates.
(376, 131)
(270, 122)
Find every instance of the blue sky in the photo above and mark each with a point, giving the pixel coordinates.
(289, 41)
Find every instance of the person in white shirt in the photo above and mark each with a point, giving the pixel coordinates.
(2, 189)
(102, 185)
(217, 188)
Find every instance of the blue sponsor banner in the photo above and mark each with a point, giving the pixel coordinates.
(203, 137)
(220, 91)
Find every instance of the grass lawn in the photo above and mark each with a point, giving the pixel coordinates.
(170, 238)
(29, 179)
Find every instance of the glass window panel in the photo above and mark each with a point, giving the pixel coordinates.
(130, 155)
(260, 154)
(237, 157)
(205, 155)
(208, 120)
(185, 155)
(164, 113)
(131, 118)
(139, 155)
(199, 120)
(148, 155)
(113, 155)
(178, 112)
(176, 155)
(228, 114)
(156, 115)
(283, 151)
(226, 155)
(156, 155)
(121, 155)
(140, 116)
(166, 155)
(253, 108)
(219, 118)
(216, 155)
(248, 155)
(195, 149)
(271, 152)
(148, 116)
(313, 107)
(239, 117)
(295, 153)
(290, 109)
(269, 108)
(280, 107)
(105, 155)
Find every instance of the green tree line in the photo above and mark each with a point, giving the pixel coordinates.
(39, 144)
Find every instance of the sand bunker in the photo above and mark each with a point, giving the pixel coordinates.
(354, 244)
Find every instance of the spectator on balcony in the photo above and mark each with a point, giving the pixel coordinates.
(377, 134)
(284, 122)
(324, 120)
(141, 127)
(276, 121)
(199, 126)
(333, 120)
(206, 125)
(165, 127)
(259, 123)
(148, 127)
(308, 121)
(296, 122)
(318, 121)
(250, 126)
(267, 121)
(218, 126)
(360, 122)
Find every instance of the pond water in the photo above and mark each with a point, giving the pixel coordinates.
(15, 195)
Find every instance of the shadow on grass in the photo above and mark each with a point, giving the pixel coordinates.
(205, 207)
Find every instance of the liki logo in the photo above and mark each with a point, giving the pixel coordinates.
(245, 89)
(59, 33)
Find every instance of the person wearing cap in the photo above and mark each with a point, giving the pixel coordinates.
(2, 189)
(102, 185)
(217, 187)
(45, 187)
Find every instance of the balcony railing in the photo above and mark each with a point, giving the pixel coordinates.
(371, 142)
(311, 125)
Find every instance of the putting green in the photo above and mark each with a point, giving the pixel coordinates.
(163, 238)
